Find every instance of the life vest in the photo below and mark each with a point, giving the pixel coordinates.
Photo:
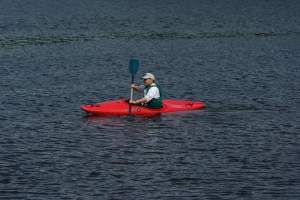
(154, 103)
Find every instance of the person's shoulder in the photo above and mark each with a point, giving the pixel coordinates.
(156, 86)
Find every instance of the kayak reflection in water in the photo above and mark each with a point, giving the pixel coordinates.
(152, 93)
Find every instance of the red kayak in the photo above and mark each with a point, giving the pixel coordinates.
(121, 107)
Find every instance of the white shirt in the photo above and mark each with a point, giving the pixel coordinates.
(152, 93)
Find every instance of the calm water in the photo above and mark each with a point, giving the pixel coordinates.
(240, 58)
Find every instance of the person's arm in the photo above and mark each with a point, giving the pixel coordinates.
(142, 100)
(138, 88)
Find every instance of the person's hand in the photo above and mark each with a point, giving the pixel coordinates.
(132, 86)
(132, 101)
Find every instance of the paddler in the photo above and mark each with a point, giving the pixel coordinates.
(152, 93)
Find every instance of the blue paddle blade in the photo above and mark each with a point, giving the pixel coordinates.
(133, 66)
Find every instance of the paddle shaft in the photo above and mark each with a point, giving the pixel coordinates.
(133, 68)
(131, 94)
(132, 88)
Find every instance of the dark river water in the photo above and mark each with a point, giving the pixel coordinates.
(241, 58)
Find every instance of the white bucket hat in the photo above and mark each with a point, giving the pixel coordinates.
(149, 75)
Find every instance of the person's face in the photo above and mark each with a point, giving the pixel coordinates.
(148, 82)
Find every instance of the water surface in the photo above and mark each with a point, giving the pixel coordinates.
(240, 58)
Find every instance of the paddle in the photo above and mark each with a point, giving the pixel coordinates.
(133, 68)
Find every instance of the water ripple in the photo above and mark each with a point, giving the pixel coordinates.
(62, 39)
